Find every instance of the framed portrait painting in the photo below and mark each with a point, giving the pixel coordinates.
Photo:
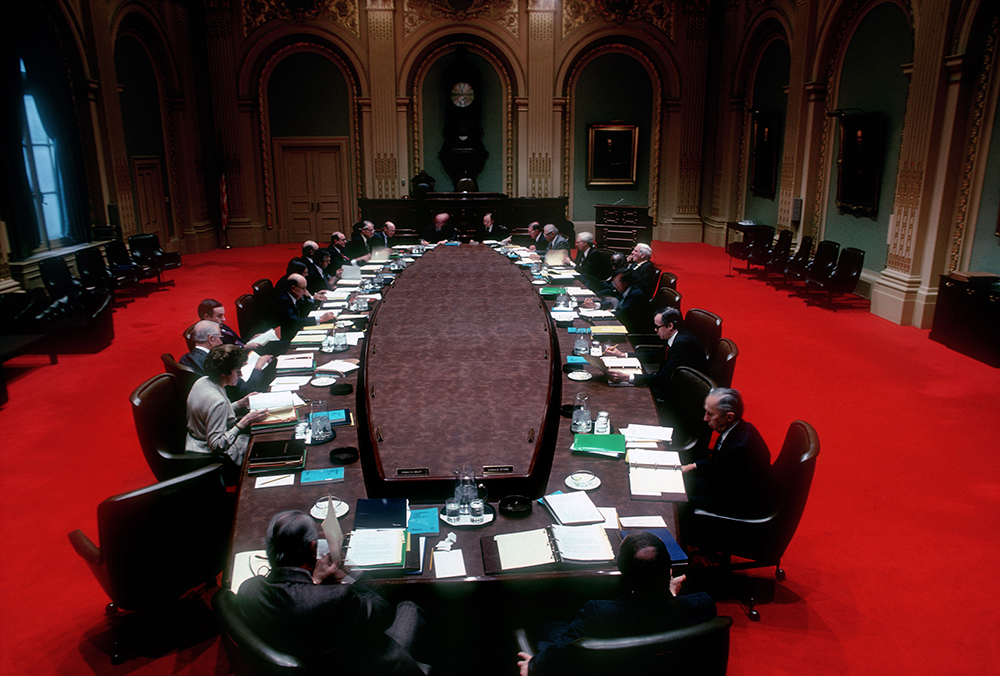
(763, 174)
(859, 163)
(611, 155)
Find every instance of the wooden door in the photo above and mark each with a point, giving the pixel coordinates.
(313, 194)
(150, 203)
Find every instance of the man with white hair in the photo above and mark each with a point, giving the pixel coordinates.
(207, 335)
(557, 242)
(585, 248)
(646, 273)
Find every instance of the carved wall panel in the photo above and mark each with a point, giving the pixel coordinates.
(418, 12)
(342, 12)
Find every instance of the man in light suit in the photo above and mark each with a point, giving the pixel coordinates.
(557, 241)
(312, 609)
(735, 480)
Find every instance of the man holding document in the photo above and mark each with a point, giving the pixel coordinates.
(310, 608)
(651, 605)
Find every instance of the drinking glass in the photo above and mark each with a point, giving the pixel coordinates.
(581, 414)
(477, 510)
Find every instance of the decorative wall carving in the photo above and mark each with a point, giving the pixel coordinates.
(259, 12)
(659, 13)
(418, 12)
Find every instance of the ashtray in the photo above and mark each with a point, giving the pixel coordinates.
(515, 506)
(344, 455)
(341, 388)
(566, 410)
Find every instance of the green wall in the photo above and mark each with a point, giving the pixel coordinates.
(308, 96)
(140, 100)
(872, 79)
(769, 97)
(611, 87)
(985, 245)
(492, 177)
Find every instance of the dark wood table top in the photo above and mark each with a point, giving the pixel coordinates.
(626, 405)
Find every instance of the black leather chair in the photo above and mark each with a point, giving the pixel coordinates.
(754, 237)
(666, 297)
(763, 541)
(684, 411)
(158, 543)
(781, 266)
(94, 272)
(189, 337)
(701, 649)
(779, 250)
(120, 260)
(160, 414)
(263, 295)
(58, 280)
(706, 327)
(248, 654)
(147, 252)
(668, 280)
(842, 279)
(723, 363)
(820, 264)
(184, 376)
(600, 261)
(248, 317)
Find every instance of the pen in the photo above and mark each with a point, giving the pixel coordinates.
(271, 481)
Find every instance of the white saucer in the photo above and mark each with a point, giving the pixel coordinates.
(583, 481)
(319, 510)
(580, 375)
(538, 282)
(323, 381)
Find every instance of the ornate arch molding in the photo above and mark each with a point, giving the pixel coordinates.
(839, 26)
(770, 26)
(566, 85)
(414, 73)
(302, 38)
(977, 34)
(263, 116)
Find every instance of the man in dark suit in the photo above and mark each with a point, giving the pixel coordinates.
(490, 230)
(646, 273)
(383, 238)
(441, 230)
(653, 605)
(361, 240)
(312, 609)
(735, 480)
(585, 249)
(682, 349)
(633, 307)
(206, 336)
(214, 311)
(538, 242)
(339, 256)
(291, 313)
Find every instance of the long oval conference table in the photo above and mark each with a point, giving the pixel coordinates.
(461, 364)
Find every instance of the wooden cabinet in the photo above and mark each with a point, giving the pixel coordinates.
(620, 227)
(967, 318)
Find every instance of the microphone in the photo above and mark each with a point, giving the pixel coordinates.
(618, 202)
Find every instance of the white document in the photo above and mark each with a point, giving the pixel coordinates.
(522, 550)
(317, 314)
(621, 362)
(354, 337)
(334, 304)
(269, 400)
(449, 564)
(647, 432)
(643, 457)
(610, 515)
(579, 291)
(376, 547)
(349, 282)
(339, 294)
(573, 508)
(247, 565)
(275, 480)
(295, 361)
(337, 366)
(642, 522)
(596, 313)
(583, 543)
(564, 315)
(650, 482)
(247, 369)
(264, 338)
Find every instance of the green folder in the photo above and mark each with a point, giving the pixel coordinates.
(552, 290)
(600, 444)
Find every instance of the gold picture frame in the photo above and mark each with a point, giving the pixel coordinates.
(612, 153)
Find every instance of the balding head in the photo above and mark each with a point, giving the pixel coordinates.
(308, 247)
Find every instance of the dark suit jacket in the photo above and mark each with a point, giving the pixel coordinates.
(497, 232)
(332, 628)
(358, 246)
(632, 615)
(230, 337)
(315, 277)
(735, 479)
(447, 232)
(258, 382)
(380, 241)
(541, 244)
(584, 264)
(686, 351)
(338, 259)
(634, 312)
(647, 276)
(289, 315)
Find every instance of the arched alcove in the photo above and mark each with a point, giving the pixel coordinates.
(768, 107)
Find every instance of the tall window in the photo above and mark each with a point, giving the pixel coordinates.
(44, 176)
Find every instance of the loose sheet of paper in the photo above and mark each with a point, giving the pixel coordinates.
(449, 564)
(521, 550)
(375, 547)
(642, 522)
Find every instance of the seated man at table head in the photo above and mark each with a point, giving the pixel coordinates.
(652, 604)
(441, 230)
(310, 608)
(291, 310)
(735, 479)
(538, 242)
(211, 421)
(490, 229)
(206, 336)
(681, 349)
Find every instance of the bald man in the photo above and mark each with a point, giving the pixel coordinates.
(289, 310)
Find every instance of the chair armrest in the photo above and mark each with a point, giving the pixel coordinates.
(87, 550)
(523, 644)
(733, 519)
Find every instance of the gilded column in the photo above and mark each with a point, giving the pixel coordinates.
(542, 130)
(382, 170)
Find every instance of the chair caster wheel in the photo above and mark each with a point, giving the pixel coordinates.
(110, 609)
(753, 615)
(779, 574)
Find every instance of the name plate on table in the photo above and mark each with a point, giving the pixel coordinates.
(412, 471)
(468, 388)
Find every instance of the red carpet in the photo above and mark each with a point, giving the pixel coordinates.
(892, 569)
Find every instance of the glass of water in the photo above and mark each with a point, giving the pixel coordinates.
(477, 510)
(451, 511)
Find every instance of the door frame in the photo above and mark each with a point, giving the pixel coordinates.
(278, 145)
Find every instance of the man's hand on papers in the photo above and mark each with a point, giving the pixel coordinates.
(617, 377)
(263, 361)
(320, 295)
(326, 317)
(328, 571)
(613, 351)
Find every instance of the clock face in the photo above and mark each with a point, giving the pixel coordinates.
(462, 94)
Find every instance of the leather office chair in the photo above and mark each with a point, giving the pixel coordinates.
(781, 266)
(668, 280)
(248, 316)
(248, 654)
(706, 327)
(59, 281)
(759, 249)
(684, 411)
(158, 542)
(778, 251)
(723, 363)
(701, 649)
(741, 250)
(120, 260)
(821, 263)
(184, 376)
(666, 297)
(94, 272)
(842, 279)
(263, 294)
(189, 337)
(160, 414)
(763, 540)
(146, 250)
(601, 263)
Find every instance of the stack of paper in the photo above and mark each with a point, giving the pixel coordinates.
(337, 366)
(609, 330)
(647, 432)
(296, 364)
(280, 407)
(309, 337)
(571, 509)
(377, 548)
(656, 475)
